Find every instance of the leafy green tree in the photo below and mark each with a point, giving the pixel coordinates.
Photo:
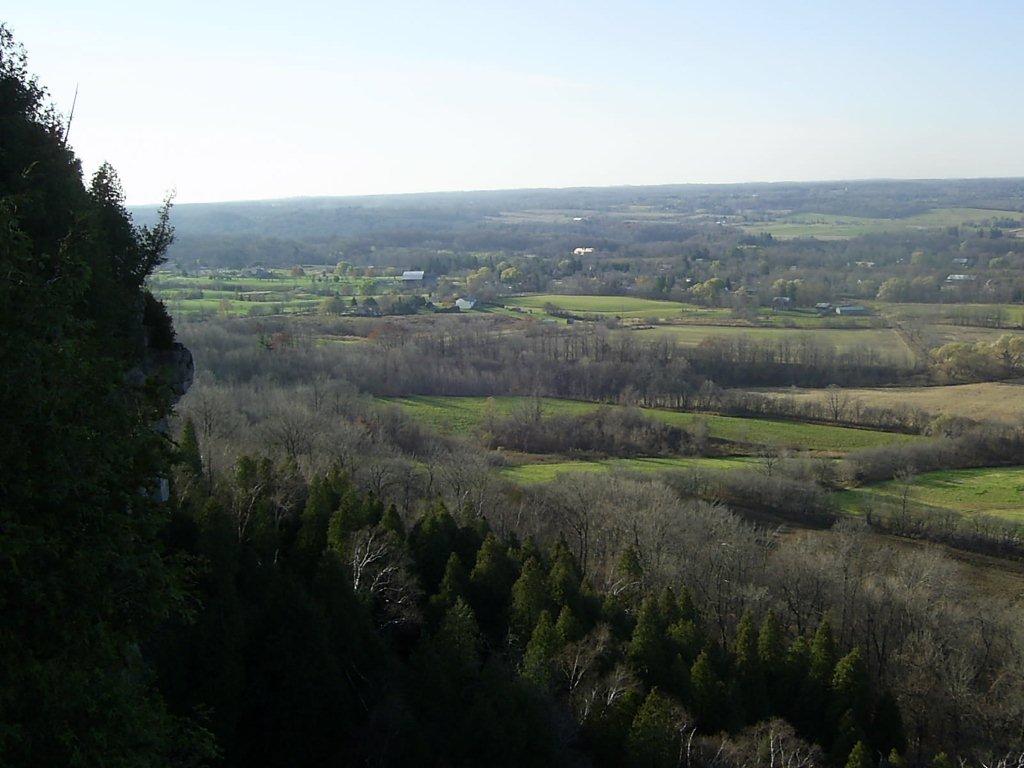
(896, 760)
(654, 735)
(941, 760)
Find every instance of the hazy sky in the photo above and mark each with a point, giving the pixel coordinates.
(225, 100)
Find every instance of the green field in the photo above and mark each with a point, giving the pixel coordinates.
(831, 227)
(614, 306)
(527, 474)
(464, 415)
(884, 340)
(233, 294)
(994, 491)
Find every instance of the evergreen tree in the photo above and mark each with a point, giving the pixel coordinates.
(823, 654)
(887, 734)
(188, 450)
(568, 627)
(564, 578)
(490, 584)
(431, 542)
(860, 757)
(538, 666)
(753, 694)
(896, 760)
(648, 652)
(392, 521)
(771, 648)
(454, 586)
(707, 693)
(529, 598)
(851, 687)
(84, 581)
(654, 735)
(941, 760)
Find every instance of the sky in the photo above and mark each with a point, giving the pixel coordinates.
(219, 100)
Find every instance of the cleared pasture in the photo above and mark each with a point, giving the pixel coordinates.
(884, 340)
(832, 227)
(613, 306)
(466, 415)
(545, 472)
(997, 491)
(996, 401)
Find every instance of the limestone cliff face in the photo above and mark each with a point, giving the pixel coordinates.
(170, 366)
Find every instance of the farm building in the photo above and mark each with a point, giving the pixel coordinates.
(582, 251)
(852, 310)
(961, 278)
(465, 304)
(412, 275)
(823, 308)
(781, 302)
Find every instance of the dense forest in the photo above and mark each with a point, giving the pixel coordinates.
(288, 571)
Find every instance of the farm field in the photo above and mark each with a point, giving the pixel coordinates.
(539, 472)
(1013, 314)
(464, 415)
(997, 401)
(614, 306)
(996, 491)
(831, 227)
(230, 294)
(886, 341)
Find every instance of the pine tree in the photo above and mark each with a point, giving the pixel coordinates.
(648, 652)
(896, 760)
(860, 757)
(707, 693)
(454, 586)
(851, 687)
(188, 449)
(490, 584)
(654, 735)
(392, 521)
(564, 578)
(887, 734)
(749, 676)
(431, 542)
(538, 666)
(529, 598)
(568, 627)
(823, 654)
(771, 649)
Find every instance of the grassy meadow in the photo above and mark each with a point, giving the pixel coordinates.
(465, 415)
(997, 491)
(995, 401)
(545, 472)
(831, 227)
